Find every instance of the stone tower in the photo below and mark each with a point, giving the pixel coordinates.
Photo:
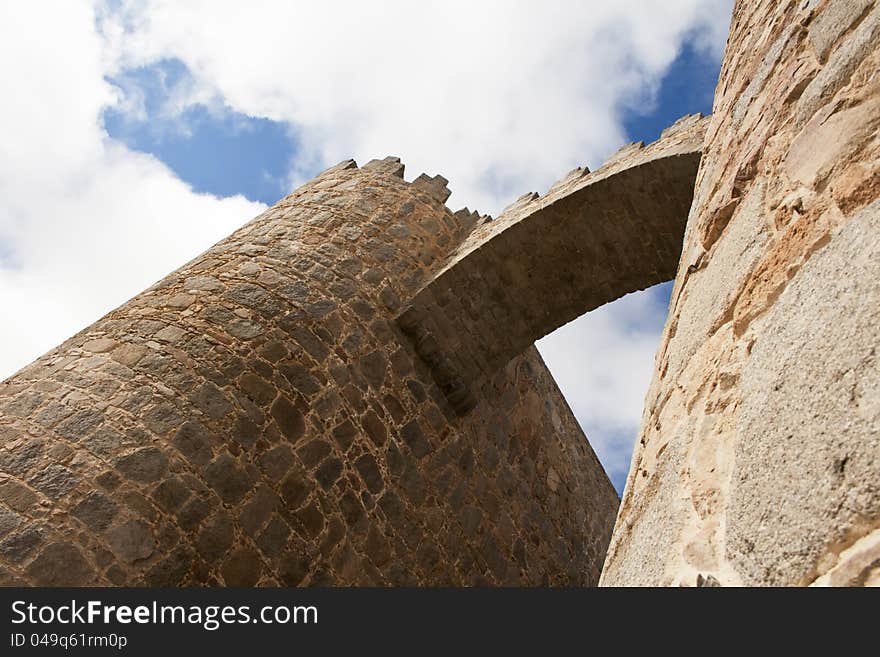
(257, 417)
(758, 460)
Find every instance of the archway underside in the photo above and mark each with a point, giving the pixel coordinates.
(594, 237)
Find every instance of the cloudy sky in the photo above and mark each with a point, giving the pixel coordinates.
(137, 134)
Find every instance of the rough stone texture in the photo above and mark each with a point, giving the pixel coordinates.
(758, 460)
(345, 392)
(549, 259)
(256, 418)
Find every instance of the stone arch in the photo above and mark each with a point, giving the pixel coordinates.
(256, 417)
(594, 237)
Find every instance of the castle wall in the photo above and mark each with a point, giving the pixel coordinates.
(343, 391)
(257, 418)
(758, 460)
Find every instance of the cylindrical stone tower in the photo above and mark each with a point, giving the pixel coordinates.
(257, 418)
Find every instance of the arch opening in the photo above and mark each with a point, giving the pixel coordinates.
(546, 260)
(602, 363)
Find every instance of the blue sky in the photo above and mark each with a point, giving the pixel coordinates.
(687, 86)
(144, 131)
(209, 146)
(219, 151)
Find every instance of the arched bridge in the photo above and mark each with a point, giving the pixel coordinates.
(594, 237)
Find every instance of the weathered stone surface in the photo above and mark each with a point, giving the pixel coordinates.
(171, 571)
(193, 440)
(171, 493)
(60, 564)
(257, 388)
(8, 521)
(16, 495)
(144, 465)
(99, 345)
(415, 439)
(21, 544)
(369, 470)
(131, 541)
(228, 479)
(289, 419)
(216, 537)
(821, 365)
(257, 418)
(129, 354)
(209, 398)
(831, 23)
(54, 481)
(242, 568)
(96, 511)
(858, 564)
(758, 459)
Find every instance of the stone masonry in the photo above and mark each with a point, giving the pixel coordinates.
(256, 418)
(758, 460)
(345, 391)
(546, 260)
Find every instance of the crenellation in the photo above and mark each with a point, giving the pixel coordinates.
(684, 123)
(390, 165)
(433, 186)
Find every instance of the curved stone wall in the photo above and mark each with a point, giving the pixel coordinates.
(257, 418)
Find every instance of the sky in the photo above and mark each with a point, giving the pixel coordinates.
(135, 134)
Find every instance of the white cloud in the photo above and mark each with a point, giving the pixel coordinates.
(84, 223)
(500, 97)
(603, 363)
